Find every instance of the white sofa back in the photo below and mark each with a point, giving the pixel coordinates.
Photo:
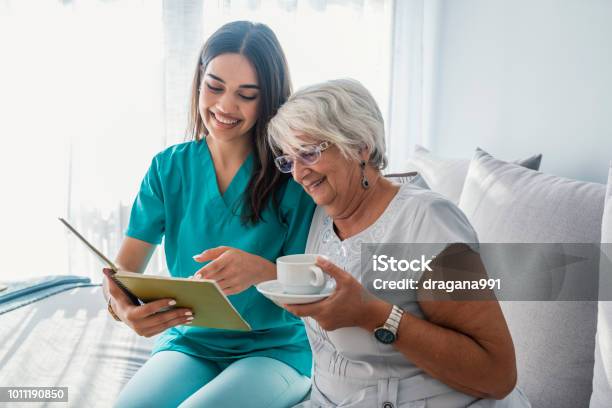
(602, 376)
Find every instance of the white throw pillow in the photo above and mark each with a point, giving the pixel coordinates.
(602, 373)
(446, 176)
(554, 341)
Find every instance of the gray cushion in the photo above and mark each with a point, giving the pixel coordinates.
(554, 341)
(445, 175)
(602, 376)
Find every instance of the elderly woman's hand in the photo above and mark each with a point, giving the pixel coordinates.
(233, 269)
(350, 305)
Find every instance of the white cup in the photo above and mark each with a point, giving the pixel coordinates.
(299, 275)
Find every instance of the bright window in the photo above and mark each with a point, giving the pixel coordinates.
(92, 89)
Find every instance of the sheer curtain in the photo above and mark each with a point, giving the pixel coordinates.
(92, 89)
(82, 116)
(413, 71)
(323, 39)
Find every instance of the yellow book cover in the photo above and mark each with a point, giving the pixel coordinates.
(211, 308)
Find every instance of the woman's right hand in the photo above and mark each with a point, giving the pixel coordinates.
(146, 320)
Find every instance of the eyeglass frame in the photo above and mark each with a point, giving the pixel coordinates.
(319, 148)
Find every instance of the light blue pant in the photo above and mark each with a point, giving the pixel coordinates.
(172, 379)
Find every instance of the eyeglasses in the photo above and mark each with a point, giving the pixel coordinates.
(309, 155)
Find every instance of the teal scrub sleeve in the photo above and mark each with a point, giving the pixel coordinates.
(298, 208)
(147, 219)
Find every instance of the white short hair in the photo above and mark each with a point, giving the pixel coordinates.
(340, 111)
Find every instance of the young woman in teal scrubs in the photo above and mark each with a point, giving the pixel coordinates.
(226, 214)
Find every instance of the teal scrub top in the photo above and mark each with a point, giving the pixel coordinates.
(179, 201)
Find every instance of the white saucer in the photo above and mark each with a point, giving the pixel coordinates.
(273, 290)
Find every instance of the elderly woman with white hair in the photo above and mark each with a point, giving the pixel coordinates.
(384, 348)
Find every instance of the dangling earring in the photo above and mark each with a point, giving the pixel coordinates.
(364, 180)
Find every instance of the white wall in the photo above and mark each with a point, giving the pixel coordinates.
(517, 77)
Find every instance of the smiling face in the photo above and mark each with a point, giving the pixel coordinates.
(229, 97)
(333, 182)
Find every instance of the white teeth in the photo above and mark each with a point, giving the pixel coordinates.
(225, 121)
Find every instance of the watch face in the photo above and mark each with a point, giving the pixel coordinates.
(384, 336)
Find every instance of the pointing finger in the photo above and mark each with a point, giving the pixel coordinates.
(210, 254)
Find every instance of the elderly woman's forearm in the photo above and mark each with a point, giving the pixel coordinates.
(457, 359)
(481, 369)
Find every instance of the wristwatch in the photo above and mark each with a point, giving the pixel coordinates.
(111, 311)
(388, 332)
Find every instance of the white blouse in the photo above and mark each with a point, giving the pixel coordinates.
(351, 368)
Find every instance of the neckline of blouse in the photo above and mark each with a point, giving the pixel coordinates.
(329, 224)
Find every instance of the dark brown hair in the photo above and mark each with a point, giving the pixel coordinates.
(258, 43)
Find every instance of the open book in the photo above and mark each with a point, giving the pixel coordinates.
(211, 308)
